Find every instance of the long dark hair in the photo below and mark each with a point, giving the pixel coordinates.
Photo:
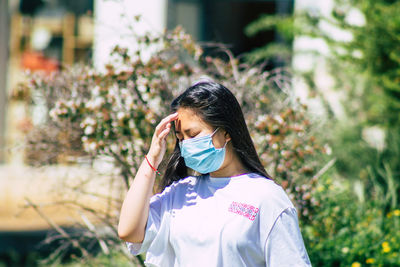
(217, 106)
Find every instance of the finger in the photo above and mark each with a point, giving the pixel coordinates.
(160, 127)
(164, 121)
(164, 132)
(171, 117)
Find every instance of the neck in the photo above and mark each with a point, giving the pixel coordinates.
(234, 168)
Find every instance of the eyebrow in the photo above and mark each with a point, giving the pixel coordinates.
(186, 131)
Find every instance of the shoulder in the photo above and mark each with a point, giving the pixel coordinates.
(178, 186)
(266, 191)
(183, 183)
(258, 183)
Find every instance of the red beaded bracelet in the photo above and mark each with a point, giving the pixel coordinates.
(151, 166)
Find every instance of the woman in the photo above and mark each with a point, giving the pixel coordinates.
(233, 214)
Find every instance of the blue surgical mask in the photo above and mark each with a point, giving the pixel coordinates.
(201, 155)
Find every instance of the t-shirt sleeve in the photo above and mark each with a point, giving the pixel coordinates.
(284, 245)
(152, 226)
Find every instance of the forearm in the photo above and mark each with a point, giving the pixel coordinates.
(135, 208)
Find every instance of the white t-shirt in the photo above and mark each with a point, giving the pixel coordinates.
(246, 220)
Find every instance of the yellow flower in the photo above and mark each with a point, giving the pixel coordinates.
(370, 261)
(385, 247)
(356, 264)
(396, 213)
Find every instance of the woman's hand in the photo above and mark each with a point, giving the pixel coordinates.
(158, 142)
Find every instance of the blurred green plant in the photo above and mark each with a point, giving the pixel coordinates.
(376, 168)
(347, 230)
(370, 55)
(272, 51)
(104, 260)
(356, 220)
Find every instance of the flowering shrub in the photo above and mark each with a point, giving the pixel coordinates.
(54, 140)
(115, 112)
(288, 146)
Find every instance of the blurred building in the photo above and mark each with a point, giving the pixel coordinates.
(42, 36)
(220, 21)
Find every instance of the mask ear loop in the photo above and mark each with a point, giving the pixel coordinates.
(226, 142)
(214, 131)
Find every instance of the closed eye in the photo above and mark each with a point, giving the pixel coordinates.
(193, 135)
(189, 133)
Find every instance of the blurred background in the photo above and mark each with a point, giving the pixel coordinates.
(83, 83)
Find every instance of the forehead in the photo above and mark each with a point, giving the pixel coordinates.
(189, 119)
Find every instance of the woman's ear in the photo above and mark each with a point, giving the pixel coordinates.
(227, 136)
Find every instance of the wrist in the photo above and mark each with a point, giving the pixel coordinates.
(152, 160)
(152, 165)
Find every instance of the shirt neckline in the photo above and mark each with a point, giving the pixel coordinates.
(225, 179)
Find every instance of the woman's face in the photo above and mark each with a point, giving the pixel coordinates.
(190, 125)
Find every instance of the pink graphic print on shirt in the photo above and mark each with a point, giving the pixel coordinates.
(246, 210)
